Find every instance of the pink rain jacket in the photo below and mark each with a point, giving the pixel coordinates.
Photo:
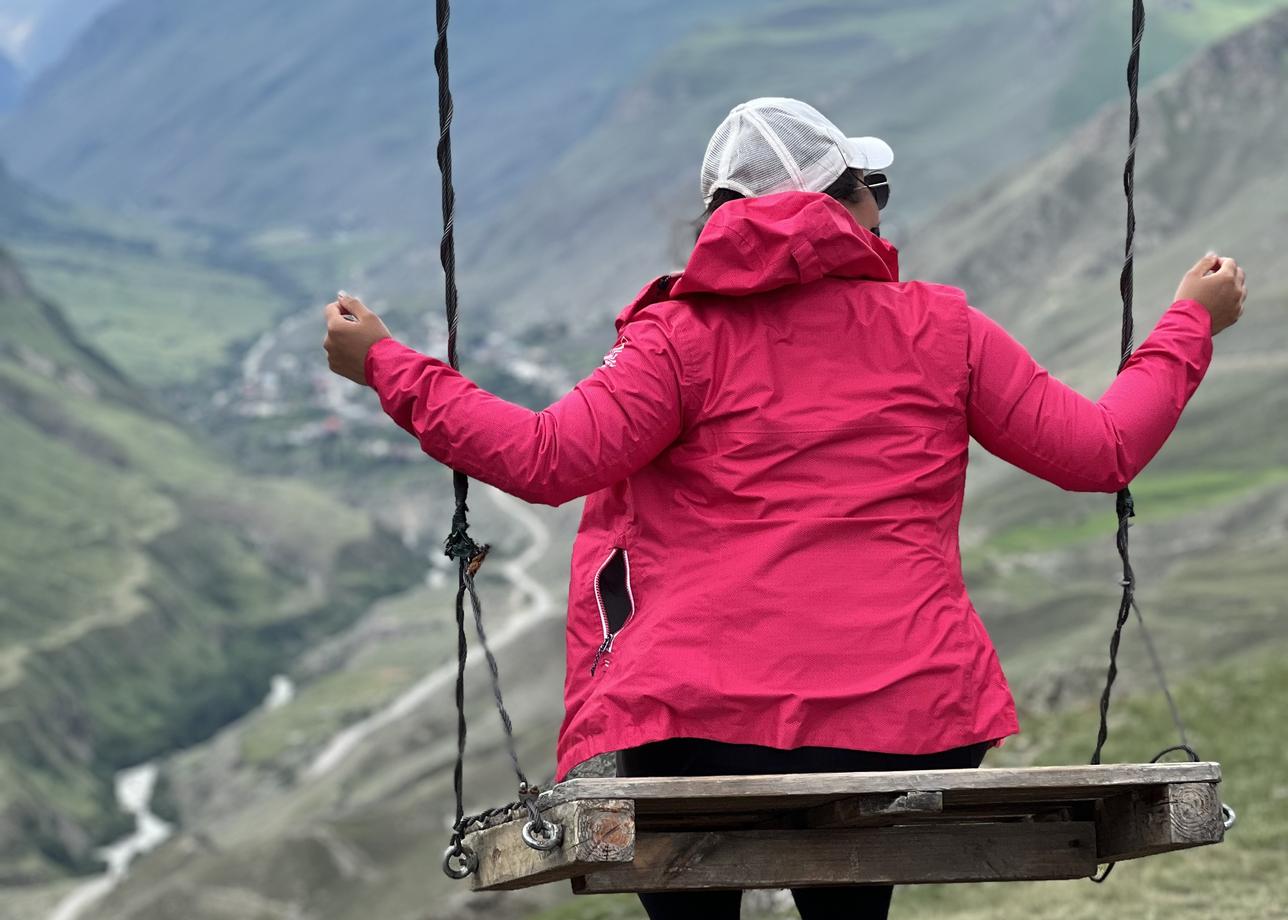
(774, 454)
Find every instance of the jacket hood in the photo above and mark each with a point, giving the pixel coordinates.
(753, 245)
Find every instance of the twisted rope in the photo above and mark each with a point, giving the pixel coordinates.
(459, 860)
(1124, 504)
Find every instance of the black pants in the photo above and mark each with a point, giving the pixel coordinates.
(699, 757)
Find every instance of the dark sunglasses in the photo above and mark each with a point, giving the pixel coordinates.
(879, 185)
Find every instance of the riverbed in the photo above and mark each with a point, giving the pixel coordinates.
(134, 788)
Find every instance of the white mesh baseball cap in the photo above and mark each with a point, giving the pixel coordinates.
(773, 144)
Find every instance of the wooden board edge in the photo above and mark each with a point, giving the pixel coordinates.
(1146, 822)
(838, 784)
(909, 854)
(596, 832)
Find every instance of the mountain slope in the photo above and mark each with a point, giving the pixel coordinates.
(167, 303)
(1041, 251)
(149, 109)
(593, 217)
(148, 592)
(578, 130)
(964, 92)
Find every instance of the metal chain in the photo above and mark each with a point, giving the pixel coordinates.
(460, 860)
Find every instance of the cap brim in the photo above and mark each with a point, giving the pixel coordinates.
(867, 153)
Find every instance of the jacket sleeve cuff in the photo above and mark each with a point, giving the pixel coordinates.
(1195, 311)
(377, 356)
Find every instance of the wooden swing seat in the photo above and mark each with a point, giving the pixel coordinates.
(697, 833)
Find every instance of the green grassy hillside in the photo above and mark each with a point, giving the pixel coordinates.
(169, 303)
(149, 592)
(1235, 713)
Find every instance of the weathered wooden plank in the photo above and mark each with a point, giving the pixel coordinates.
(677, 811)
(725, 820)
(596, 832)
(904, 854)
(1016, 811)
(796, 817)
(874, 808)
(664, 811)
(964, 798)
(751, 793)
(1158, 819)
(899, 827)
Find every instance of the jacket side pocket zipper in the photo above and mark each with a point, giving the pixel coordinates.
(615, 601)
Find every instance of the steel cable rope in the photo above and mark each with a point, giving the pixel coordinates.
(1124, 503)
(459, 860)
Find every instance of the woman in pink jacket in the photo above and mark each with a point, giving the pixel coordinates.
(766, 578)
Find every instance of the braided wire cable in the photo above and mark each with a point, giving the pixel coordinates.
(447, 246)
(460, 483)
(459, 860)
(1124, 504)
(1126, 280)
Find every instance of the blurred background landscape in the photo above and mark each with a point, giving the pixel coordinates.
(225, 625)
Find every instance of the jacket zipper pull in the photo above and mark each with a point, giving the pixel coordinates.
(603, 650)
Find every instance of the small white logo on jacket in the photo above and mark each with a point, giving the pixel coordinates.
(610, 359)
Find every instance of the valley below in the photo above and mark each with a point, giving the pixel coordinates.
(227, 644)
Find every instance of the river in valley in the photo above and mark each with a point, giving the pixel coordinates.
(532, 605)
(134, 789)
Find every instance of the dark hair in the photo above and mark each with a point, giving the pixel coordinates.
(846, 188)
